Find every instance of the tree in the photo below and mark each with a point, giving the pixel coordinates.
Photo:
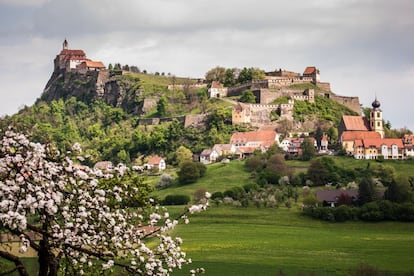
(190, 171)
(162, 107)
(248, 74)
(229, 79)
(318, 137)
(183, 154)
(76, 214)
(216, 74)
(247, 97)
(308, 150)
(366, 190)
(399, 190)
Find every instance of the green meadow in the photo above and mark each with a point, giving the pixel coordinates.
(249, 241)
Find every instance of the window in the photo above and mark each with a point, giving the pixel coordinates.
(378, 115)
(378, 124)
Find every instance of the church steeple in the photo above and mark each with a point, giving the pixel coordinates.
(376, 123)
(65, 44)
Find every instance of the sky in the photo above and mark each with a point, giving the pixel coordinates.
(364, 48)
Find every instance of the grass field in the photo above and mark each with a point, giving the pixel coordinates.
(240, 241)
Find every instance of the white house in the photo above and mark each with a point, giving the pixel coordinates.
(208, 156)
(156, 161)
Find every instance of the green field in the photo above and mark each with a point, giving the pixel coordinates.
(250, 241)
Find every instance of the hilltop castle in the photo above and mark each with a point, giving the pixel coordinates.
(75, 60)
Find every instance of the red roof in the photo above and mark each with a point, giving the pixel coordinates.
(66, 52)
(265, 138)
(355, 123)
(309, 70)
(358, 135)
(216, 84)
(93, 64)
(333, 195)
(378, 142)
(154, 160)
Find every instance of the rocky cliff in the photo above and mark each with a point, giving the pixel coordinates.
(114, 89)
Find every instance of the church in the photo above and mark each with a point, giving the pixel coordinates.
(363, 138)
(75, 60)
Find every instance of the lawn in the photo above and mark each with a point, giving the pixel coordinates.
(240, 241)
(218, 178)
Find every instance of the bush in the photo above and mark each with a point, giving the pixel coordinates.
(191, 171)
(343, 213)
(217, 195)
(389, 209)
(250, 187)
(406, 211)
(165, 181)
(371, 212)
(176, 200)
(235, 193)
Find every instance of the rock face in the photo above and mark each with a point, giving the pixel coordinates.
(113, 89)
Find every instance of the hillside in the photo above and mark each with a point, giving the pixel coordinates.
(111, 119)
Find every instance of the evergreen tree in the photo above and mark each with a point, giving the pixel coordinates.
(366, 190)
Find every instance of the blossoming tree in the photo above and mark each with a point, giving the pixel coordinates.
(75, 213)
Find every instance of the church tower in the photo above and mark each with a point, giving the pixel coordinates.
(375, 119)
(65, 44)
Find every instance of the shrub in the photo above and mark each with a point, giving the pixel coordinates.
(191, 171)
(217, 195)
(389, 209)
(343, 213)
(165, 181)
(176, 200)
(406, 211)
(371, 212)
(250, 187)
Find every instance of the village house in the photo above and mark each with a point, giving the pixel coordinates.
(208, 156)
(156, 162)
(388, 148)
(331, 197)
(408, 144)
(348, 139)
(217, 90)
(224, 149)
(247, 142)
(293, 145)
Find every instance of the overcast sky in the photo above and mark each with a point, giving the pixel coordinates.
(364, 48)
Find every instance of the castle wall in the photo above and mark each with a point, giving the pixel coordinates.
(350, 102)
(324, 86)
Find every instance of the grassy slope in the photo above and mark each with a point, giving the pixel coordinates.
(239, 241)
(219, 177)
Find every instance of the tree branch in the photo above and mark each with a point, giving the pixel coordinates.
(19, 265)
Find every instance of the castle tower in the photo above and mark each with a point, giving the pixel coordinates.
(65, 44)
(375, 118)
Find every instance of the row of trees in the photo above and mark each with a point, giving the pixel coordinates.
(232, 76)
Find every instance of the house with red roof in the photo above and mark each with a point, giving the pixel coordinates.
(373, 148)
(348, 139)
(156, 162)
(247, 142)
(312, 72)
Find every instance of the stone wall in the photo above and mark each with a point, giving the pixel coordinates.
(324, 86)
(350, 102)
